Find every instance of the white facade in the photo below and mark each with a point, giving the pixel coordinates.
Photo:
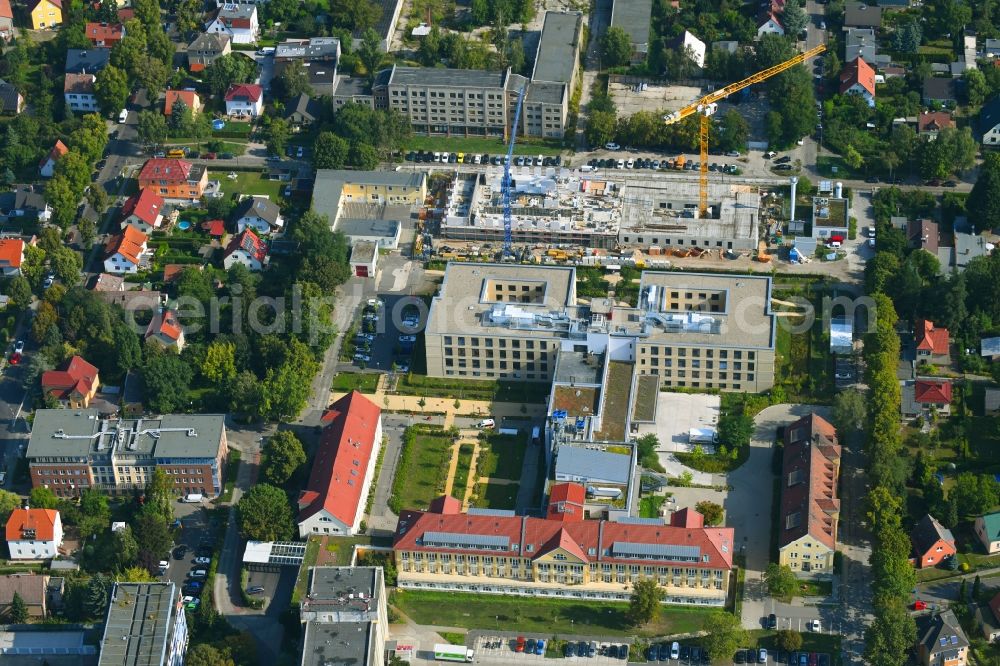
(245, 107)
(48, 167)
(323, 522)
(241, 256)
(858, 89)
(237, 34)
(770, 27)
(38, 550)
(86, 102)
(141, 224)
(259, 225)
(119, 264)
(991, 137)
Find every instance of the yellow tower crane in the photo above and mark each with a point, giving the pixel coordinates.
(706, 107)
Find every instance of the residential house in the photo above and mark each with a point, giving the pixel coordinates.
(165, 329)
(144, 211)
(634, 16)
(74, 386)
(34, 534)
(924, 397)
(692, 47)
(987, 529)
(860, 43)
(86, 61)
(11, 99)
(769, 24)
(205, 48)
(809, 515)
(987, 618)
(245, 99)
(929, 123)
(11, 256)
(303, 111)
(174, 178)
(238, 21)
(333, 501)
(364, 259)
(45, 13)
(78, 90)
(941, 641)
(939, 90)
(858, 78)
(246, 248)
(968, 246)
(126, 251)
(189, 97)
(319, 57)
(24, 201)
(933, 343)
(862, 15)
(444, 549)
(932, 543)
(30, 587)
(47, 167)
(260, 214)
(567, 502)
(989, 122)
(105, 34)
(6, 21)
(923, 235)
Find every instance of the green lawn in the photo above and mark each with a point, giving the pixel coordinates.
(546, 616)
(462, 471)
(423, 468)
(472, 389)
(234, 147)
(649, 507)
(232, 469)
(308, 560)
(350, 381)
(804, 365)
(496, 496)
(714, 463)
(478, 145)
(618, 388)
(247, 182)
(826, 163)
(501, 456)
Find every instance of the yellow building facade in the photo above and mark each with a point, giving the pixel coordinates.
(46, 14)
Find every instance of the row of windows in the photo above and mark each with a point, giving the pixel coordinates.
(682, 352)
(678, 241)
(683, 383)
(451, 95)
(501, 342)
(696, 363)
(476, 364)
(450, 352)
(498, 375)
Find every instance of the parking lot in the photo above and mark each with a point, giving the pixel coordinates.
(501, 649)
(845, 373)
(195, 532)
(387, 332)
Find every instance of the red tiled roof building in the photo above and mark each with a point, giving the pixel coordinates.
(74, 386)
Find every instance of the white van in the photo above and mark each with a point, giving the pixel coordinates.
(164, 565)
(833, 244)
(123, 116)
(193, 498)
(486, 423)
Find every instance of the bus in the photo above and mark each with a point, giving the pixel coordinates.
(445, 652)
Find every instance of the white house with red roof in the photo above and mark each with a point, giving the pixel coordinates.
(858, 78)
(6, 20)
(933, 342)
(246, 248)
(333, 501)
(47, 167)
(144, 211)
(237, 20)
(498, 553)
(165, 329)
(245, 99)
(11, 256)
(126, 251)
(769, 24)
(34, 534)
(105, 34)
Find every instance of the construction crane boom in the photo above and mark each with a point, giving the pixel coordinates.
(706, 107)
(505, 186)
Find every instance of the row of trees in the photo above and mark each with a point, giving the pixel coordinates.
(361, 137)
(72, 173)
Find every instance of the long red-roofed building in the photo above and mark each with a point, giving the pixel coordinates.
(497, 553)
(333, 502)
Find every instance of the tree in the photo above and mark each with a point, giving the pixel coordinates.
(370, 53)
(330, 151)
(794, 18)
(975, 493)
(19, 292)
(981, 204)
(265, 514)
(135, 575)
(788, 640)
(644, 603)
(219, 365)
(711, 511)
(95, 602)
(63, 199)
(976, 88)
(907, 36)
(781, 582)
(111, 88)
(616, 47)
(152, 74)
(42, 498)
(294, 80)
(977, 588)
(284, 454)
(355, 15)
(152, 534)
(600, 127)
(362, 156)
(735, 429)
(188, 17)
(66, 264)
(227, 70)
(160, 495)
(151, 128)
(126, 548)
(8, 502)
(167, 379)
(849, 410)
(277, 135)
(204, 654)
(18, 611)
(724, 635)
(733, 132)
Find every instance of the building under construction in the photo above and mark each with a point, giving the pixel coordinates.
(662, 216)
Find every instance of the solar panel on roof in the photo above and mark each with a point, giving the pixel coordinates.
(500, 513)
(455, 540)
(656, 550)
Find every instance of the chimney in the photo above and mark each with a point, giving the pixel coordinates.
(794, 181)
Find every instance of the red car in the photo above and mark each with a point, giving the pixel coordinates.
(15, 358)
(919, 605)
(519, 645)
(812, 659)
(209, 156)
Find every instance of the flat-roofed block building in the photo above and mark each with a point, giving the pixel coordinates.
(146, 626)
(445, 549)
(345, 617)
(71, 450)
(634, 16)
(337, 188)
(499, 321)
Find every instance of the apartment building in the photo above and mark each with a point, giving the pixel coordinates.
(336, 187)
(483, 552)
(810, 509)
(146, 626)
(345, 606)
(174, 178)
(500, 321)
(71, 450)
(205, 48)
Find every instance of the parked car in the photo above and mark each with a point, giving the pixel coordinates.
(783, 160)
(569, 650)
(663, 652)
(772, 621)
(740, 657)
(612, 146)
(762, 656)
(529, 647)
(407, 338)
(365, 358)
(651, 653)
(19, 347)
(203, 560)
(815, 626)
(540, 646)
(519, 644)
(255, 589)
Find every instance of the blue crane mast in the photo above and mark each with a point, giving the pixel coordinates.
(507, 224)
